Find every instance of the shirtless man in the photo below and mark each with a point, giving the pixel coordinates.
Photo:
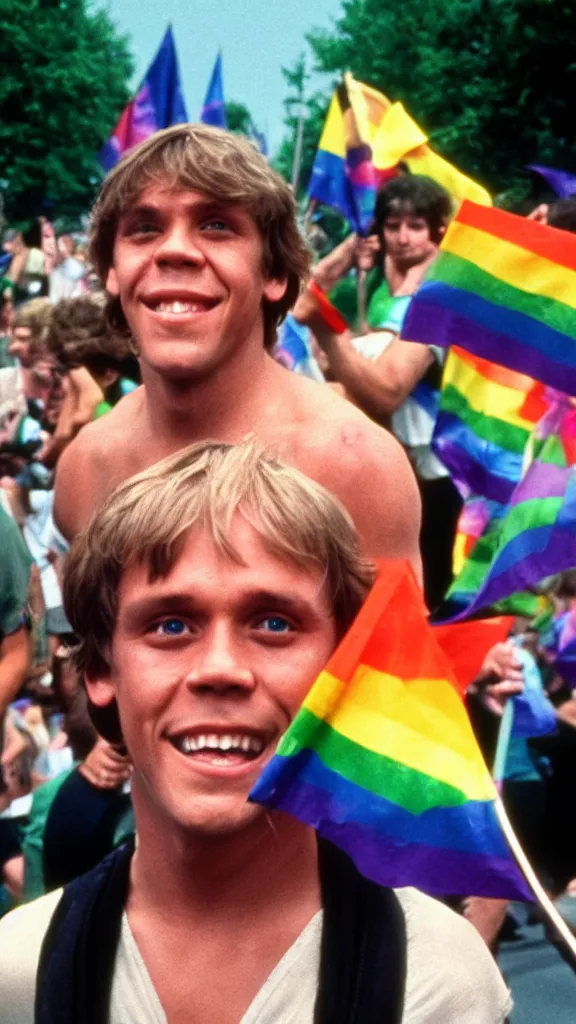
(196, 241)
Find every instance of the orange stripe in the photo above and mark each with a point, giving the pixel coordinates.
(550, 243)
(493, 372)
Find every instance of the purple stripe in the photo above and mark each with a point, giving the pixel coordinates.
(437, 871)
(432, 324)
(543, 480)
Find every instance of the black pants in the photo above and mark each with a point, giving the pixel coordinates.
(441, 506)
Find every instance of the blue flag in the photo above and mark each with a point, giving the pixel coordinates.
(213, 110)
(159, 103)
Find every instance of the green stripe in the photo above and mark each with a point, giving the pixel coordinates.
(529, 514)
(404, 786)
(460, 273)
(489, 428)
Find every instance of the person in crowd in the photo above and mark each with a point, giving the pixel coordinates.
(99, 365)
(67, 279)
(29, 380)
(206, 594)
(196, 239)
(15, 646)
(28, 270)
(395, 383)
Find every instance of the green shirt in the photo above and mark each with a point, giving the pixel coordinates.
(15, 564)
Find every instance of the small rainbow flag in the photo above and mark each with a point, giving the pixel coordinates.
(365, 138)
(503, 288)
(485, 418)
(381, 758)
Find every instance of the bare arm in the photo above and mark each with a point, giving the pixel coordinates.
(15, 663)
(380, 386)
(75, 488)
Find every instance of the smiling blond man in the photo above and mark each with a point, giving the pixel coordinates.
(207, 594)
(195, 238)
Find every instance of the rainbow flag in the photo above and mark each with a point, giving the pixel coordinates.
(536, 537)
(381, 758)
(365, 138)
(159, 103)
(485, 417)
(503, 288)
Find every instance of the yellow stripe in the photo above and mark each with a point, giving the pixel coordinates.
(421, 723)
(510, 263)
(332, 139)
(459, 185)
(485, 396)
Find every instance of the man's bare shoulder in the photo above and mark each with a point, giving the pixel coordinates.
(362, 463)
(96, 460)
(21, 935)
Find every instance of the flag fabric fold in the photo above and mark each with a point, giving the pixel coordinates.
(536, 536)
(503, 288)
(213, 109)
(159, 103)
(485, 417)
(561, 182)
(365, 139)
(381, 759)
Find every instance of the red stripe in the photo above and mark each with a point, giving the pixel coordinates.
(550, 243)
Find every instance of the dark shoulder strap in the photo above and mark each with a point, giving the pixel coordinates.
(363, 953)
(76, 964)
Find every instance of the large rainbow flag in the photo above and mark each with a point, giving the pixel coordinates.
(365, 138)
(503, 288)
(381, 759)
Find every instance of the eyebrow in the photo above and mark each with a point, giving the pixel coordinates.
(203, 206)
(149, 607)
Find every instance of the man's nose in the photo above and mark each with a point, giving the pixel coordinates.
(220, 665)
(403, 234)
(180, 245)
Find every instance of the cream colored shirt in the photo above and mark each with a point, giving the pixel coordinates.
(451, 977)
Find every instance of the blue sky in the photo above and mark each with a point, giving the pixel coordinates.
(257, 38)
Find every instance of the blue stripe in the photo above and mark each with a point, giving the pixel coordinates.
(553, 345)
(470, 828)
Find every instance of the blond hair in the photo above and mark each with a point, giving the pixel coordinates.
(225, 167)
(34, 315)
(147, 519)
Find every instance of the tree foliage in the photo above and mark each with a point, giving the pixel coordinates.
(63, 85)
(491, 81)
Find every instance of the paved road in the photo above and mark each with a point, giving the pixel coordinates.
(543, 986)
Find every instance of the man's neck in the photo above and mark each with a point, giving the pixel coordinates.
(404, 279)
(222, 405)
(221, 879)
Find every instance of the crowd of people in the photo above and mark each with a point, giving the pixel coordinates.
(187, 529)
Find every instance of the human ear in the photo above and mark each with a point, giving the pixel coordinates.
(100, 689)
(275, 289)
(112, 282)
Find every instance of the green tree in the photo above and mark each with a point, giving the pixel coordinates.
(491, 81)
(238, 118)
(64, 81)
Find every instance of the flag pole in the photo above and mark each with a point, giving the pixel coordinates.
(297, 159)
(556, 919)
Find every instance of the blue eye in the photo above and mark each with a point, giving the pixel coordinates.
(275, 624)
(171, 627)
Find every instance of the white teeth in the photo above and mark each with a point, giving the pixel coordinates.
(179, 307)
(211, 741)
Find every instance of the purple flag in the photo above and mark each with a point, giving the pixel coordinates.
(213, 109)
(562, 182)
(157, 104)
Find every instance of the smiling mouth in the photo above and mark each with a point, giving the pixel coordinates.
(181, 307)
(224, 750)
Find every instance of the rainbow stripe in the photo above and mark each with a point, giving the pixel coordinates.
(504, 288)
(381, 759)
(365, 138)
(484, 421)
